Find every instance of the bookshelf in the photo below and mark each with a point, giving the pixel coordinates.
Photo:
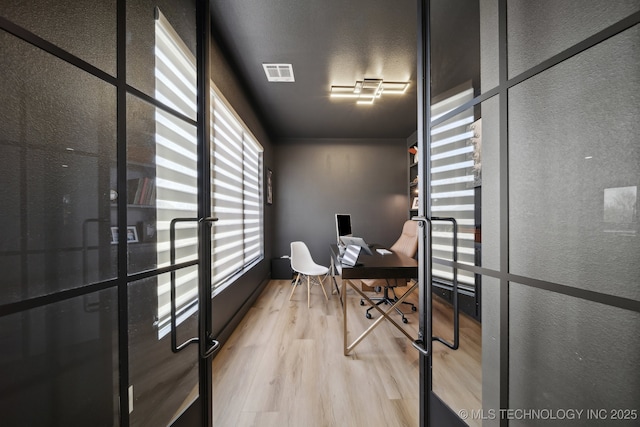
(412, 161)
(141, 214)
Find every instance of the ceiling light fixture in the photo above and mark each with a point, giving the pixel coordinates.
(366, 91)
(279, 72)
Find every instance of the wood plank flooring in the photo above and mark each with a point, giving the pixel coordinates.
(284, 366)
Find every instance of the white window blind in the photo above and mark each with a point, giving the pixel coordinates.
(176, 171)
(236, 183)
(452, 186)
(236, 194)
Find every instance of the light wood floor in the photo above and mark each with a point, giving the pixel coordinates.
(284, 366)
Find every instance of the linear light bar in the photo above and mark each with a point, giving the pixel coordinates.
(368, 90)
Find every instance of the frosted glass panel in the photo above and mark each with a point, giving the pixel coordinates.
(86, 29)
(490, 170)
(488, 44)
(491, 360)
(58, 133)
(59, 363)
(574, 169)
(537, 30)
(164, 383)
(567, 353)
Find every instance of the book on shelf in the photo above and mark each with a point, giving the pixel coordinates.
(141, 191)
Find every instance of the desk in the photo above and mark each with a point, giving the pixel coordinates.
(376, 266)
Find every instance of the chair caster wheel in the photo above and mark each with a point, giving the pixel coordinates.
(368, 316)
(404, 320)
(413, 309)
(361, 302)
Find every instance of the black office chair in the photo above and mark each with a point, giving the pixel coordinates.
(407, 244)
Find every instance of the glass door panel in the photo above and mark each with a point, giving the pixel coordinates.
(61, 357)
(573, 221)
(87, 32)
(162, 384)
(464, 207)
(456, 217)
(162, 210)
(163, 188)
(578, 336)
(58, 302)
(578, 219)
(58, 145)
(553, 210)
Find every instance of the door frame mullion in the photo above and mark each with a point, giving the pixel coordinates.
(203, 34)
(424, 142)
(121, 213)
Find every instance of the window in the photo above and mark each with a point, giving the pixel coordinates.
(236, 181)
(236, 194)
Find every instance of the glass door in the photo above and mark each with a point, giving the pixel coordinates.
(162, 208)
(529, 177)
(58, 306)
(104, 304)
(169, 295)
(453, 216)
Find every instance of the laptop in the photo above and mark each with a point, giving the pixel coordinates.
(357, 241)
(351, 255)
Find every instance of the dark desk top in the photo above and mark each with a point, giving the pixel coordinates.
(376, 266)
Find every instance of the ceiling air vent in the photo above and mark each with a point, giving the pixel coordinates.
(279, 72)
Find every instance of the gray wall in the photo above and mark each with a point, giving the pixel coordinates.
(230, 305)
(316, 178)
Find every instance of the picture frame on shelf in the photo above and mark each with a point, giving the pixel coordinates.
(132, 234)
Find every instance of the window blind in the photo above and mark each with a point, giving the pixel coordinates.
(452, 182)
(176, 171)
(236, 194)
(236, 183)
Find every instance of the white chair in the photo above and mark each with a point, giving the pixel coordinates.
(303, 264)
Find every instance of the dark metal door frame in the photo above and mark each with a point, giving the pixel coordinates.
(432, 410)
(201, 410)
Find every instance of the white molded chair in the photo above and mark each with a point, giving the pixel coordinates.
(303, 264)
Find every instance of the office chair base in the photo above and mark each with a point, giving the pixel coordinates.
(386, 299)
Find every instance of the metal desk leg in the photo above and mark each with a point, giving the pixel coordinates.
(336, 289)
(344, 315)
(384, 315)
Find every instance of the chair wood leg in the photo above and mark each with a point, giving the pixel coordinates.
(293, 288)
(322, 286)
(308, 291)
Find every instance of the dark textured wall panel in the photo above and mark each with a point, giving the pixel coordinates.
(315, 179)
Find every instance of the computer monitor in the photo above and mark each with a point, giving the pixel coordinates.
(343, 226)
